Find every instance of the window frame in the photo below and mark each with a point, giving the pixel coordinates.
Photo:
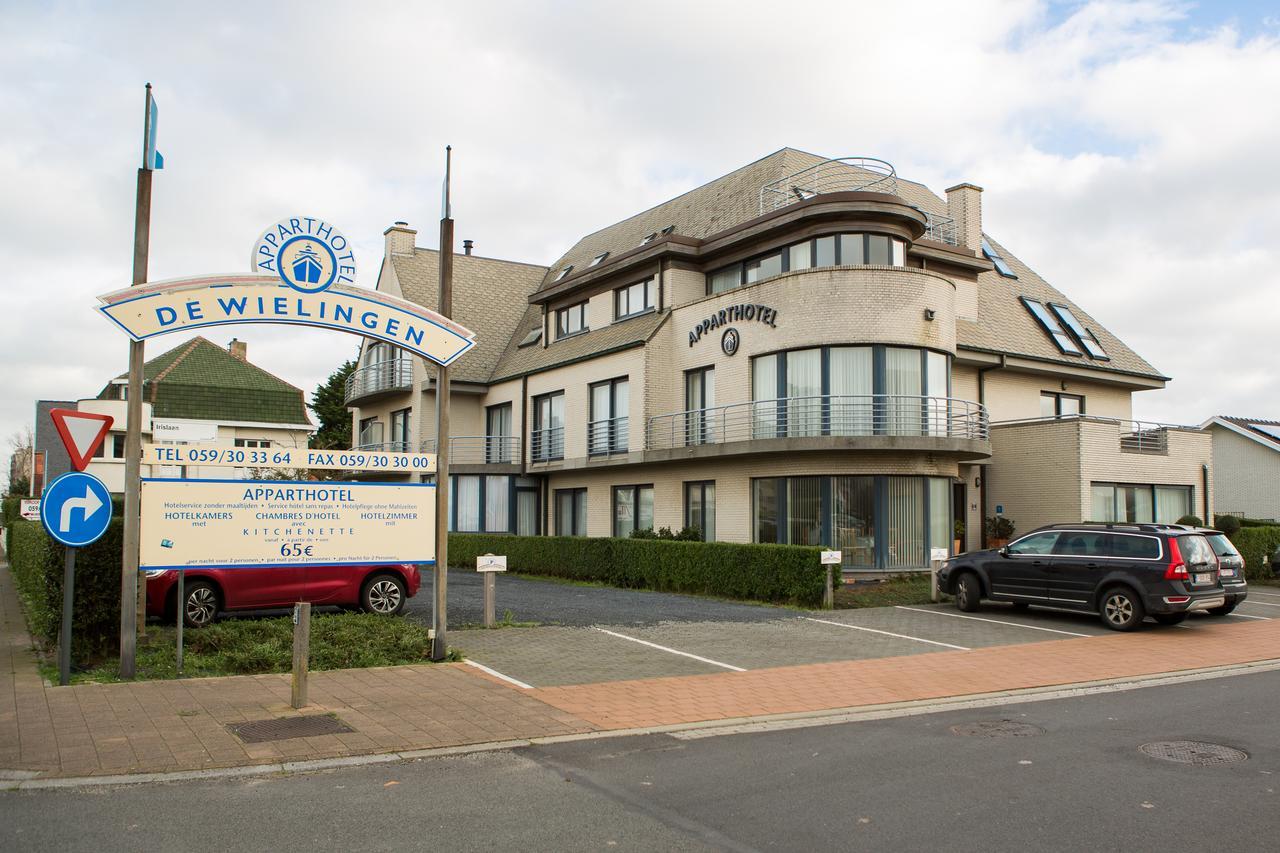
(1152, 488)
(998, 261)
(897, 251)
(576, 522)
(535, 425)
(1083, 334)
(501, 453)
(635, 507)
(561, 322)
(649, 296)
(1058, 397)
(612, 447)
(701, 486)
(1049, 324)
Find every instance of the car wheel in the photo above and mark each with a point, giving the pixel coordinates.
(384, 595)
(968, 592)
(201, 606)
(1121, 609)
(1171, 618)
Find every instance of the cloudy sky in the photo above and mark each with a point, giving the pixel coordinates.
(1128, 149)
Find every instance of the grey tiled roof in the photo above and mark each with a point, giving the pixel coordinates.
(489, 297)
(518, 360)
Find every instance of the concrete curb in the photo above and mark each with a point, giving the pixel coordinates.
(21, 780)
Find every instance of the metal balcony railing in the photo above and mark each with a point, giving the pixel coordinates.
(1139, 437)
(479, 449)
(805, 417)
(609, 436)
(546, 445)
(393, 374)
(941, 228)
(383, 447)
(842, 174)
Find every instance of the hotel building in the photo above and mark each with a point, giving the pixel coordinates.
(807, 351)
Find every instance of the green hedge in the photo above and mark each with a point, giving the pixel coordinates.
(1256, 545)
(36, 561)
(780, 573)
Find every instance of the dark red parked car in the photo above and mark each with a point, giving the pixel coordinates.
(374, 589)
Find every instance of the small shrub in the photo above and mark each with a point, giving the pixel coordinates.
(1257, 545)
(1190, 521)
(1228, 524)
(999, 527)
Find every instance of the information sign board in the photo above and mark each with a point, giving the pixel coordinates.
(830, 558)
(491, 563)
(30, 509)
(263, 523)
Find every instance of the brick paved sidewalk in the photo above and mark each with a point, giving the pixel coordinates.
(157, 726)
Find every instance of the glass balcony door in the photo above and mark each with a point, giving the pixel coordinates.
(699, 397)
(497, 441)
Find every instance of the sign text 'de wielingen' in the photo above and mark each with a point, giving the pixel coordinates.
(263, 523)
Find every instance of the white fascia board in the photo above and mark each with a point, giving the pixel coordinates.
(1239, 430)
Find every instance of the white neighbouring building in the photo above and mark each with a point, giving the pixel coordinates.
(1246, 466)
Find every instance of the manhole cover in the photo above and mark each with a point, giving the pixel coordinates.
(284, 728)
(1193, 752)
(996, 728)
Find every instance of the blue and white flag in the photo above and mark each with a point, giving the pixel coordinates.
(151, 158)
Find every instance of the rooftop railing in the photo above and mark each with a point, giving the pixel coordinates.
(819, 416)
(479, 449)
(1132, 436)
(842, 174)
(393, 374)
(941, 228)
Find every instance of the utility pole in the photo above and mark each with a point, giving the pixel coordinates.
(439, 646)
(133, 590)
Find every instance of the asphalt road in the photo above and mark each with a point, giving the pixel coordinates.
(549, 602)
(900, 784)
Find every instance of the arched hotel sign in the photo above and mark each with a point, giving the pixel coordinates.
(309, 262)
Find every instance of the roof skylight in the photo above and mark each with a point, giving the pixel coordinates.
(1002, 266)
(649, 238)
(532, 338)
(1086, 337)
(598, 258)
(564, 272)
(1051, 325)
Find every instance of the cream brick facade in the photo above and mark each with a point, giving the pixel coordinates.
(937, 297)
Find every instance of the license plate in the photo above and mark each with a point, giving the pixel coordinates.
(1228, 573)
(1204, 577)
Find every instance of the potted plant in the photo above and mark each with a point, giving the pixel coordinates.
(999, 531)
(959, 537)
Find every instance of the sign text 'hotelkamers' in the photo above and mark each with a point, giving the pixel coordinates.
(735, 314)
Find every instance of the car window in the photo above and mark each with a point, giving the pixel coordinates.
(1135, 547)
(1083, 544)
(1196, 550)
(1036, 543)
(1222, 545)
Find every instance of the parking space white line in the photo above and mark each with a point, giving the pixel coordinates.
(888, 634)
(1260, 592)
(1247, 616)
(1261, 603)
(497, 674)
(996, 621)
(671, 650)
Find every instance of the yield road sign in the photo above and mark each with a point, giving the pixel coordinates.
(76, 509)
(81, 432)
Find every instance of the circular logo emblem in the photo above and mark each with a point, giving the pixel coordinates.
(308, 254)
(729, 342)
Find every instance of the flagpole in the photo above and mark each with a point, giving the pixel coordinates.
(440, 608)
(133, 590)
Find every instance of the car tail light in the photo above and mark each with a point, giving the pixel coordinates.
(1177, 569)
(1176, 599)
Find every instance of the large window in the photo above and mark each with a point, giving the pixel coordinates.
(571, 512)
(632, 509)
(634, 299)
(699, 398)
(607, 428)
(571, 321)
(1055, 405)
(400, 430)
(546, 438)
(1133, 503)
(869, 390)
(831, 250)
(700, 508)
(480, 504)
(497, 430)
(877, 522)
(370, 433)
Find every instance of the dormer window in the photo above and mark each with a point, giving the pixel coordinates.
(598, 259)
(1001, 265)
(1086, 337)
(668, 230)
(1051, 325)
(571, 321)
(564, 272)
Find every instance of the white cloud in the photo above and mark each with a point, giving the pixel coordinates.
(1125, 156)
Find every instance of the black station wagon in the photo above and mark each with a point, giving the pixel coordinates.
(1122, 572)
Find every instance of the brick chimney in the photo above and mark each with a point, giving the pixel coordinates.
(399, 239)
(964, 205)
(238, 349)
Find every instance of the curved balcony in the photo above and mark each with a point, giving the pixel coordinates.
(829, 422)
(379, 379)
(479, 449)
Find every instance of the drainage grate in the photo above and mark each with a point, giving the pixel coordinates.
(284, 728)
(1193, 752)
(996, 728)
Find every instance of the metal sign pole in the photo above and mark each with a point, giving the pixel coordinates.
(132, 589)
(68, 603)
(182, 611)
(439, 646)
